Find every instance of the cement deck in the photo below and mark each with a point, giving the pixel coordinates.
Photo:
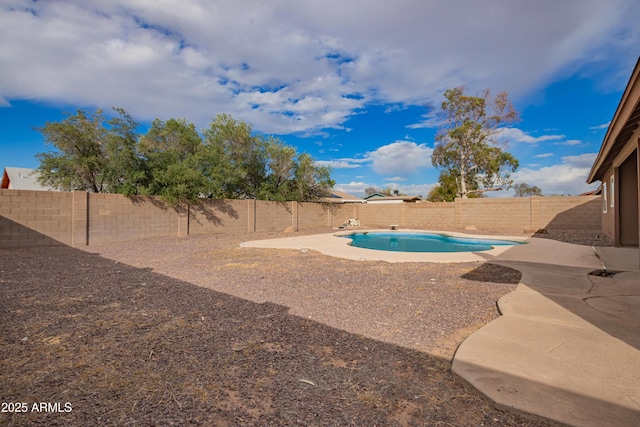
(336, 246)
(567, 346)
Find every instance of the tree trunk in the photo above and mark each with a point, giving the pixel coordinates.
(463, 178)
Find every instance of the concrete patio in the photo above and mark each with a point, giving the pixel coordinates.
(567, 346)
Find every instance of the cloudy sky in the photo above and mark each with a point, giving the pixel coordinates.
(352, 83)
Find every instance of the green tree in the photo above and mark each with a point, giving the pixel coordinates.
(263, 167)
(77, 163)
(524, 190)
(370, 190)
(281, 164)
(175, 162)
(124, 171)
(91, 153)
(245, 154)
(466, 143)
(447, 188)
(311, 182)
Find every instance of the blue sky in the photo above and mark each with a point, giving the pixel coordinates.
(353, 84)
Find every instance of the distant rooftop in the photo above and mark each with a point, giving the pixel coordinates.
(340, 197)
(22, 179)
(379, 197)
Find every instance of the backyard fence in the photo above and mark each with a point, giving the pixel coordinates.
(33, 218)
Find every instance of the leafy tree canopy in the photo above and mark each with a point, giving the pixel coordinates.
(466, 143)
(173, 161)
(524, 190)
(447, 190)
(370, 190)
(91, 153)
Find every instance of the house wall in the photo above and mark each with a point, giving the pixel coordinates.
(621, 222)
(627, 204)
(32, 218)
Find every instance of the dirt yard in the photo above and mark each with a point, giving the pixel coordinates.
(197, 331)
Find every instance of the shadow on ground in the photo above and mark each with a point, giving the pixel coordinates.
(127, 346)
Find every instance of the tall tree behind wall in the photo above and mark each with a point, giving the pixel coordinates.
(467, 147)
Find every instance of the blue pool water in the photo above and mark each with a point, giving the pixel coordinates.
(422, 242)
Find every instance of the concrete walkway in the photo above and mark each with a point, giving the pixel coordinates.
(567, 346)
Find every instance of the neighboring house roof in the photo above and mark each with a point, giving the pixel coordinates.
(22, 179)
(375, 196)
(395, 199)
(341, 197)
(625, 121)
(595, 192)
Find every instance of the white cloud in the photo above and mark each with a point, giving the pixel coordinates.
(400, 158)
(569, 142)
(395, 161)
(541, 156)
(296, 66)
(338, 164)
(395, 179)
(517, 135)
(430, 120)
(355, 188)
(568, 177)
(600, 127)
(582, 160)
(422, 190)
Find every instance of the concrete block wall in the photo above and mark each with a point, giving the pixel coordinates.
(379, 214)
(32, 218)
(490, 214)
(35, 218)
(315, 215)
(272, 216)
(220, 216)
(113, 217)
(572, 212)
(494, 214)
(341, 213)
(430, 216)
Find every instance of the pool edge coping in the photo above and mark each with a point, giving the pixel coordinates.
(333, 244)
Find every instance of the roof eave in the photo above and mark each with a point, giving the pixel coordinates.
(617, 123)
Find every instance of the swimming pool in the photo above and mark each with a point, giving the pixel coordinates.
(422, 242)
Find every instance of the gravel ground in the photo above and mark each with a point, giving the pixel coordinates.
(119, 335)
